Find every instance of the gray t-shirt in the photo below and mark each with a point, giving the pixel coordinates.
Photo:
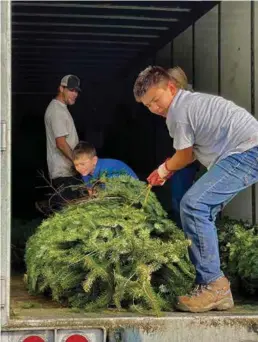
(59, 123)
(214, 126)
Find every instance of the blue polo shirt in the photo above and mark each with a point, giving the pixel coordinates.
(110, 168)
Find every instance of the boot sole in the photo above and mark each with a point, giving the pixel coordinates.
(223, 304)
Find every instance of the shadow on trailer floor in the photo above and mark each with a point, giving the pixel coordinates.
(25, 306)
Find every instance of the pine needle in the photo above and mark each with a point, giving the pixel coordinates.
(147, 195)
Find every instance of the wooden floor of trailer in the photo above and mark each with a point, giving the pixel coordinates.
(25, 306)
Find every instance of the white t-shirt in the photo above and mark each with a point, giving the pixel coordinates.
(59, 123)
(214, 126)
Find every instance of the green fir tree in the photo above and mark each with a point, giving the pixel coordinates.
(116, 248)
(239, 254)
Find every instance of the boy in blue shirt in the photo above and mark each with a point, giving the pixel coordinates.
(91, 167)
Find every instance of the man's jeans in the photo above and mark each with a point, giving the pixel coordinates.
(205, 199)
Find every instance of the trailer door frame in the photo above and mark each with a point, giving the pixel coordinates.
(5, 101)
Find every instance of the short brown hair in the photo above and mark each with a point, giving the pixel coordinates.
(151, 76)
(84, 147)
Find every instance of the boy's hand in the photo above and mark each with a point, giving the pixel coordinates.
(154, 179)
(160, 175)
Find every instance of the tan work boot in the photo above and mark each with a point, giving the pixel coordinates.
(214, 296)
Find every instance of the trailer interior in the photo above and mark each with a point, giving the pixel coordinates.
(106, 44)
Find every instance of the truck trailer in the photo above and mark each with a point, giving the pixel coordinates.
(107, 44)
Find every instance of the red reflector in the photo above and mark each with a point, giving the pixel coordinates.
(33, 339)
(76, 338)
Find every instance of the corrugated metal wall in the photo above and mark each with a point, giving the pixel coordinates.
(183, 52)
(236, 77)
(163, 56)
(206, 69)
(217, 53)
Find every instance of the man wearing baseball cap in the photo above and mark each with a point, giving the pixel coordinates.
(61, 136)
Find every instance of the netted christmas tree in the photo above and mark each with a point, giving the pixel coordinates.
(116, 248)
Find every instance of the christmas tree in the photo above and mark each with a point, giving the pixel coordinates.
(116, 248)
(239, 254)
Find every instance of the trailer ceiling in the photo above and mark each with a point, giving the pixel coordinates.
(97, 40)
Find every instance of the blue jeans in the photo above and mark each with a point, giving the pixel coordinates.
(180, 183)
(202, 202)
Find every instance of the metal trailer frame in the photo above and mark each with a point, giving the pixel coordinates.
(174, 327)
(5, 158)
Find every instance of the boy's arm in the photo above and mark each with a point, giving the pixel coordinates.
(179, 160)
(184, 138)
